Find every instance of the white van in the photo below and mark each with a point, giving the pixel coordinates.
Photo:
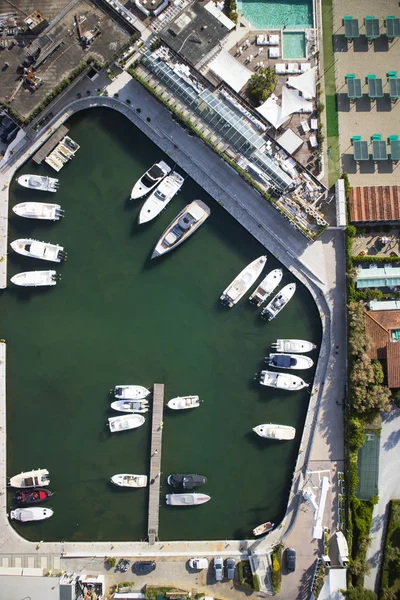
(198, 563)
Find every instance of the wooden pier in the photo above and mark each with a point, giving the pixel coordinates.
(51, 143)
(155, 462)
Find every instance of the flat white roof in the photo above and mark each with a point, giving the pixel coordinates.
(226, 67)
(13, 587)
(218, 14)
(290, 141)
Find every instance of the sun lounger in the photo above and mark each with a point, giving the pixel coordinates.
(313, 141)
(305, 67)
(305, 126)
(273, 52)
(280, 68)
(292, 68)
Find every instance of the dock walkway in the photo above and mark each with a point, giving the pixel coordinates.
(49, 146)
(155, 462)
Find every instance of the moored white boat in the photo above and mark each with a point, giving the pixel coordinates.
(41, 250)
(130, 406)
(243, 282)
(33, 513)
(130, 481)
(150, 179)
(279, 301)
(160, 197)
(266, 287)
(182, 227)
(186, 499)
(289, 361)
(30, 479)
(293, 346)
(35, 278)
(275, 432)
(125, 422)
(263, 528)
(183, 402)
(38, 182)
(131, 392)
(282, 381)
(39, 210)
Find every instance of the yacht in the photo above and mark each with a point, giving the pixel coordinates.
(36, 249)
(35, 278)
(160, 197)
(131, 406)
(183, 402)
(243, 282)
(34, 513)
(279, 301)
(186, 499)
(38, 182)
(184, 224)
(266, 287)
(282, 381)
(124, 423)
(275, 432)
(289, 361)
(295, 346)
(188, 482)
(131, 392)
(150, 179)
(130, 481)
(30, 479)
(34, 496)
(39, 210)
(263, 529)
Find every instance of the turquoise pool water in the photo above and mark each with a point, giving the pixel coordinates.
(294, 44)
(275, 14)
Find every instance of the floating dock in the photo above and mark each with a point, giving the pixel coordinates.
(50, 144)
(155, 462)
(62, 153)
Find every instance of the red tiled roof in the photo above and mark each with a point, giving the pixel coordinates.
(375, 203)
(393, 364)
(378, 336)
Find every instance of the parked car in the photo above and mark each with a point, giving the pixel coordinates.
(143, 567)
(218, 568)
(291, 559)
(198, 563)
(230, 568)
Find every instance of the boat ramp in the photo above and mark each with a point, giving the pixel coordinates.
(155, 462)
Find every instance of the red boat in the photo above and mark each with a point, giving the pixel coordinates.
(23, 497)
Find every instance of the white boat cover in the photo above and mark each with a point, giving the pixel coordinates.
(226, 67)
(290, 141)
(273, 113)
(305, 83)
(293, 103)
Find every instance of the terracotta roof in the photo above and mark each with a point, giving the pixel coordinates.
(393, 364)
(378, 336)
(375, 203)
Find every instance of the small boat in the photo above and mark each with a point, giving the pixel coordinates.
(182, 227)
(266, 287)
(30, 479)
(289, 361)
(186, 499)
(263, 529)
(279, 301)
(38, 182)
(131, 392)
(282, 381)
(130, 481)
(35, 278)
(34, 513)
(188, 482)
(150, 179)
(160, 197)
(125, 422)
(35, 496)
(243, 282)
(131, 406)
(275, 432)
(293, 346)
(39, 210)
(36, 249)
(182, 402)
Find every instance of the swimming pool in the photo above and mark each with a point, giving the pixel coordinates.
(276, 14)
(294, 44)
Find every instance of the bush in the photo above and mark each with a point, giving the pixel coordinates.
(356, 434)
(256, 583)
(128, 101)
(111, 562)
(276, 558)
(262, 84)
(351, 231)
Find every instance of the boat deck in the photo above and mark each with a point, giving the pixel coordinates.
(155, 462)
(51, 143)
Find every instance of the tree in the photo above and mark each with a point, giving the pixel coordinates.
(359, 594)
(379, 375)
(356, 434)
(262, 84)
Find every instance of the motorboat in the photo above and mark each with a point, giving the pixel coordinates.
(243, 282)
(30, 479)
(35, 278)
(125, 422)
(38, 182)
(275, 432)
(34, 496)
(150, 179)
(34, 513)
(282, 381)
(39, 210)
(186, 499)
(279, 301)
(289, 361)
(182, 227)
(131, 392)
(183, 402)
(266, 287)
(160, 197)
(130, 481)
(293, 346)
(41, 250)
(188, 482)
(131, 406)
(263, 529)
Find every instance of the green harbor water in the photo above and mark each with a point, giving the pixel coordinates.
(118, 317)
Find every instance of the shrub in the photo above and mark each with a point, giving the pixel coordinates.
(276, 558)
(356, 434)
(351, 231)
(262, 84)
(128, 101)
(138, 110)
(111, 562)
(256, 583)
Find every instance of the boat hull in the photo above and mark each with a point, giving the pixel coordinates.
(130, 406)
(243, 282)
(38, 182)
(157, 173)
(128, 480)
(34, 513)
(35, 278)
(184, 402)
(125, 422)
(279, 302)
(161, 197)
(30, 479)
(263, 529)
(187, 482)
(289, 361)
(38, 210)
(266, 287)
(282, 381)
(40, 250)
(271, 431)
(186, 499)
(36, 495)
(293, 346)
(131, 392)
